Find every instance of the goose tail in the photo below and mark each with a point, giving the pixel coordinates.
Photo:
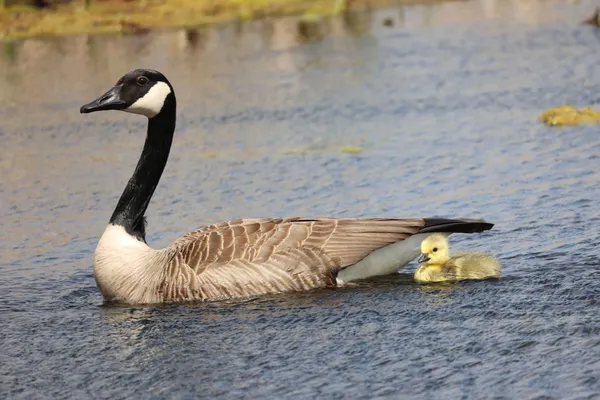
(463, 225)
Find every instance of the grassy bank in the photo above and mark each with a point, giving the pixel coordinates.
(98, 16)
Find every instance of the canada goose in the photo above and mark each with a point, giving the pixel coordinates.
(237, 258)
(438, 266)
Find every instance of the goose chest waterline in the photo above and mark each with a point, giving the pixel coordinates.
(237, 258)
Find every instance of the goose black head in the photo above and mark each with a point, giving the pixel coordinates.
(142, 91)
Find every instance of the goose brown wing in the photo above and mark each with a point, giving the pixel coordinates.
(346, 240)
(257, 256)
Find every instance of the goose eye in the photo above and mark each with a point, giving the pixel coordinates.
(142, 81)
(434, 249)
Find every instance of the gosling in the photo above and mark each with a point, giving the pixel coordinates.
(438, 266)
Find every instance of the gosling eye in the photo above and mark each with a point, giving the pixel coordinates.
(434, 249)
(142, 81)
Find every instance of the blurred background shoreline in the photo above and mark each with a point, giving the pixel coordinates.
(43, 18)
(31, 18)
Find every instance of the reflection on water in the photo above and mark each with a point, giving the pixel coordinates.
(444, 105)
(439, 292)
(268, 33)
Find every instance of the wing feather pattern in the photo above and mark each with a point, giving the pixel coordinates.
(257, 256)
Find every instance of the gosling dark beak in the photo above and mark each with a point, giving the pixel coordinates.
(424, 258)
(108, 101)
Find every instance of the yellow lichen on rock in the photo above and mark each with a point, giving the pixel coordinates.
(351, 149)
(569, 115)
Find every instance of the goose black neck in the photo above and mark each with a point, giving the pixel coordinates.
(134, 201)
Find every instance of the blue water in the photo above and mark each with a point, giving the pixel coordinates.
(443, 105)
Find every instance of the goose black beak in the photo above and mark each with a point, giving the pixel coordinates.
(108, 101)
(424, 258)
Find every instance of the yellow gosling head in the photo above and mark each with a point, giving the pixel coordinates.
(434, 250)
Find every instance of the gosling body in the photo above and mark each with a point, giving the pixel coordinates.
(438, 266)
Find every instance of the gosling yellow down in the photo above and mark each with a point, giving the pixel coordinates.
(438, 266)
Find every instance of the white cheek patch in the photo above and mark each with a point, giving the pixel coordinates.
(152, 102)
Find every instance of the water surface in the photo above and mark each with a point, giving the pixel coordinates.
(444, 105)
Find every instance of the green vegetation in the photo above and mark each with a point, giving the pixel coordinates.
(569, 115)
(98, 16)
(351, 149)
